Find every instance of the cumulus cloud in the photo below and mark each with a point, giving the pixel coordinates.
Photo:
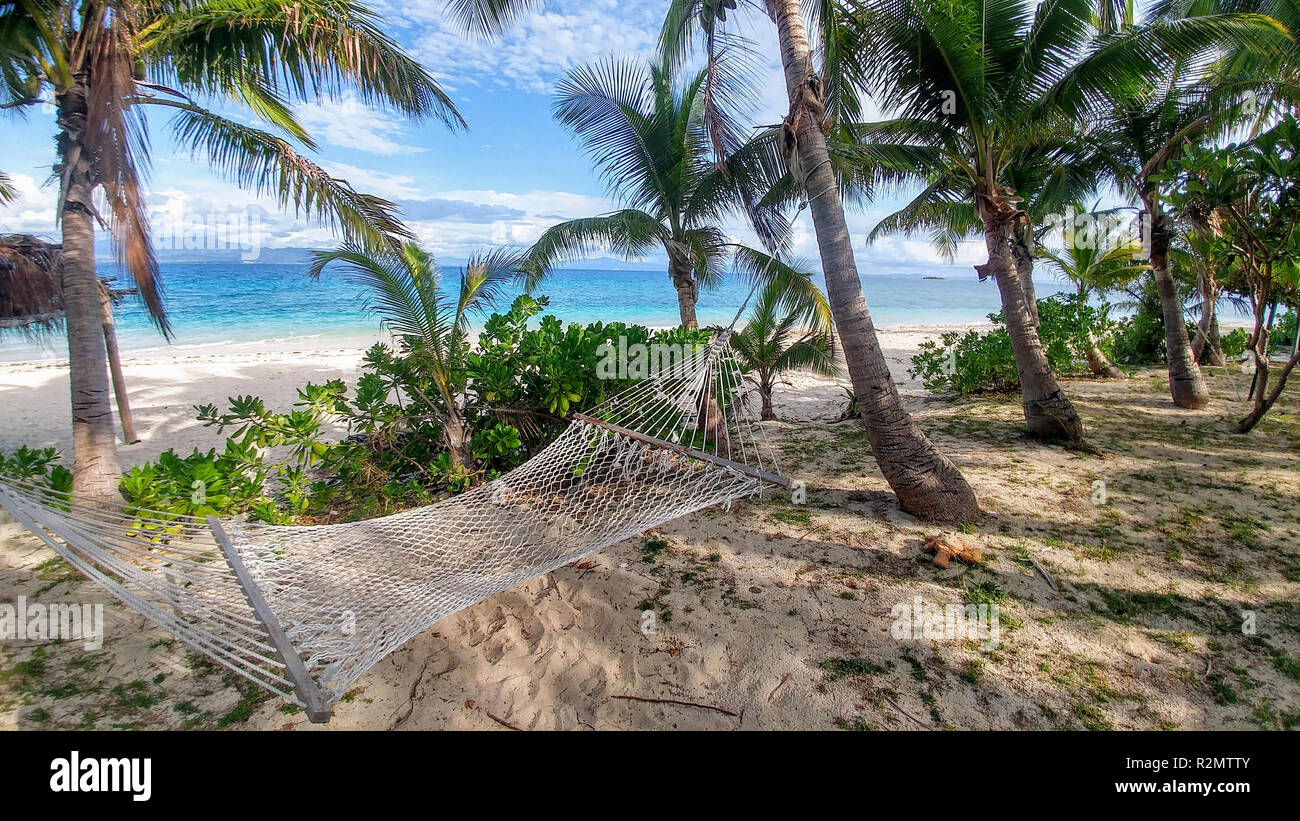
(545, 44)
(34, 210)
(350, 123)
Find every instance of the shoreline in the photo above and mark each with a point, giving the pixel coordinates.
(340, 345)
(163, 390)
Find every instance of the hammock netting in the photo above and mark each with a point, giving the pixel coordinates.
(305, 611)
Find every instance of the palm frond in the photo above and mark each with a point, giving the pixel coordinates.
(269, 165)
(489, 18)
(116, 143)
(628, 233)
(791, 287)
(401, 289)
(302, 50)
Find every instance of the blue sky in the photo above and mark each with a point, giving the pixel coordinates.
(507, 178)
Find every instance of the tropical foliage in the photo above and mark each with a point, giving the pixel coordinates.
(774, 342)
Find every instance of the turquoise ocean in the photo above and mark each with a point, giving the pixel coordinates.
(217, 308)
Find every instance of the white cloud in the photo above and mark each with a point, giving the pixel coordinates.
(542, 46)
(34, 210)
(350, 123)
(390, 186)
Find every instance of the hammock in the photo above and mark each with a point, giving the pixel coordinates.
(305, 611)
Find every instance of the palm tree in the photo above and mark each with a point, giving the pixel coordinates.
(1146, 130)
(650, 141)
(775, 341)
(7, 191)
(1094, 267)
(926, 482)
(430, 322)
(979, 89)
(103, 63)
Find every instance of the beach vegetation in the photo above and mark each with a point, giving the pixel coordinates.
(1071, 329)
(775, 342)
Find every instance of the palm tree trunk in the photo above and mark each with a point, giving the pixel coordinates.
(1206, 347)
(1097, 361)
(453, 431)
(1024, 258)
(765, 392)
(1186, 384)
(115, 367)
(680, 271)
(1048, 410)
(927, 484)
(94, 443)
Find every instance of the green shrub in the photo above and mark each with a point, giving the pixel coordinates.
(976, 362)
(1139, 339)
(1284, 331)
(520, 384)
(1235, 343)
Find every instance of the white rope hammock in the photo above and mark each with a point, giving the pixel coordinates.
(305, 611)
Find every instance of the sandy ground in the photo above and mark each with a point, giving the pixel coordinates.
(1124, 614)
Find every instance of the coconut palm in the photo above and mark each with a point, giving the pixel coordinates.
(926, 482)
(776, 341)
(1095, 265)
(103, 63)
(650, 142)
(1146, 130)
(7, 191)
(977, 87)
(431, 323)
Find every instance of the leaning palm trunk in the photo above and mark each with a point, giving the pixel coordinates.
(1186, 384)
(94, 441)
(1048, 410)
(926, 482)
(1098, 363)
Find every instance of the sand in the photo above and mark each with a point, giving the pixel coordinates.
(1127, 614)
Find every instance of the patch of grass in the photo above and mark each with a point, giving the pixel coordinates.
(985, 592)
(838, 668)
(134, 695)
(1092, 718)
(918, 669)
(651, 547)
(850, 595)
(801, 516)
(972, 672)
(857, 725)
(1124, 606)
(1289, 667)
(1173, 640)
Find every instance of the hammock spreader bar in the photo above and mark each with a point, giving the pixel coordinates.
(317, 708)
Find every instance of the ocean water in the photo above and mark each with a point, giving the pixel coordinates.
(221, 307)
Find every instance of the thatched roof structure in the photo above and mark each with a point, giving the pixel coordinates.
(29, 283)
